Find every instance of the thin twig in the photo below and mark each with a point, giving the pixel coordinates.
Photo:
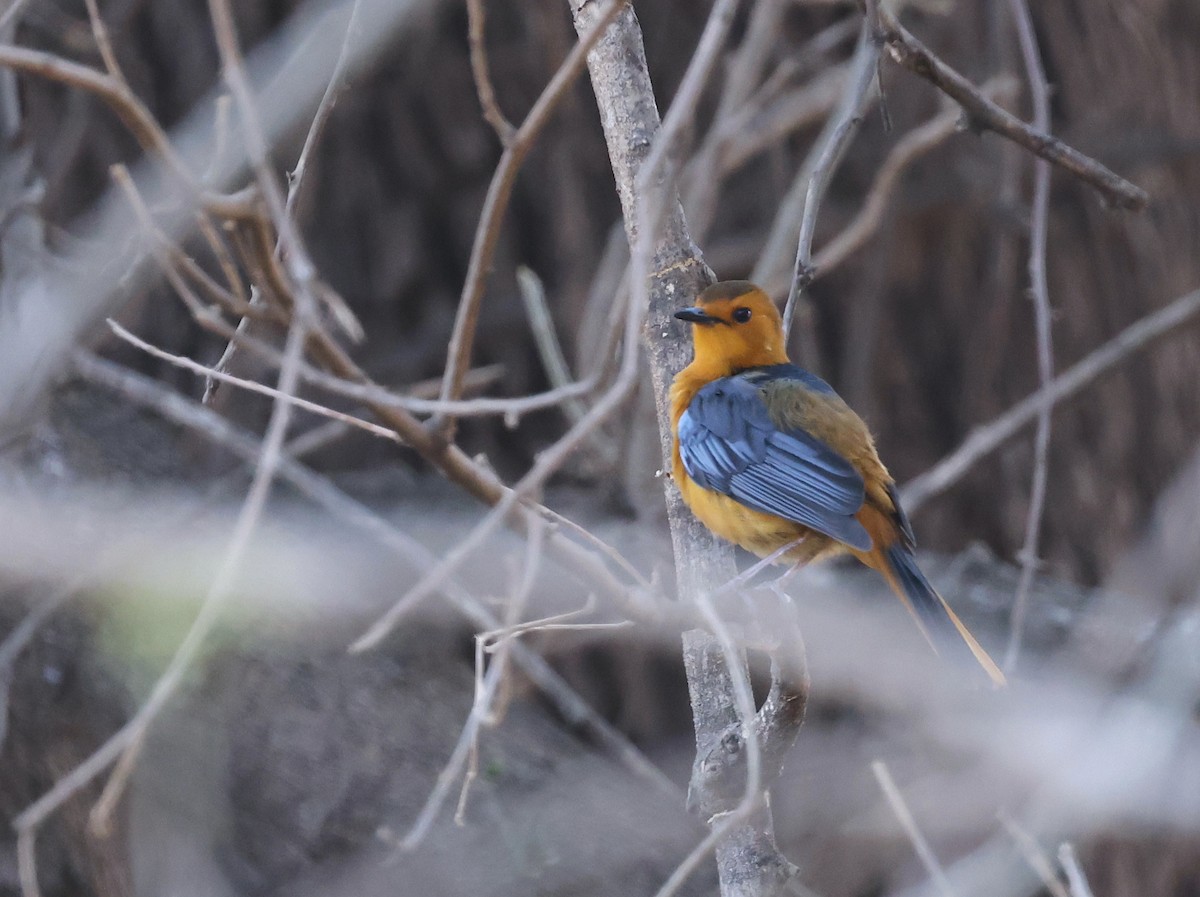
(907, 822)
(296, 180)
(103, 44)
(1040, 207)
(831, 146)
(487, 234)
(476, 19)
(545, 337)
(323, 434)
(1034, 856)
(1076, 880)
(987, 438)
(21, 635)
(168, 254)
(294, 255)
(321, 116)
(909, 52)
(486, 687)
(212, 373)
(486, 708)
(912, 146)
(27, 862)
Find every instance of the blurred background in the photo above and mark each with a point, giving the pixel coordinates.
(286, 765)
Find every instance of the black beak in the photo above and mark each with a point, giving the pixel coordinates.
(696, 316)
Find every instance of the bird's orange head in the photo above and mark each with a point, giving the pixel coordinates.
(735, 325)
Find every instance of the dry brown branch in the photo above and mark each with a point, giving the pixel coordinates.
(194, 416)
(907, 822)
(458, 357)
(827, 155)
(910, 53)
(301, 288)
(989, 437)
(476, 19)
(132, 112)
(173, 261)
(1040, 210)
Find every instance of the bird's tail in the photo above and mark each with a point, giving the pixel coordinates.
(941, 626)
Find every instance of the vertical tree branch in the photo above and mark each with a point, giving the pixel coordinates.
(667, 270)
(1040, 92)
(828, 152)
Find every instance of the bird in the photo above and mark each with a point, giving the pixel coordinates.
(767, 455)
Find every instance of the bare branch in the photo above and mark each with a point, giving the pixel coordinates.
(918, 59)
(204, 370)
(337, 81)
(1040, 210)
(827, 153)
(905, 817)
(476, 18)
(912, 146)
(1034, 856)
(1076, 880)
(133, 112)
(487, 234)
(986, 439)
(541, 322)
(103, 44)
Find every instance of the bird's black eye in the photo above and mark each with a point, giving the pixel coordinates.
(741, 315)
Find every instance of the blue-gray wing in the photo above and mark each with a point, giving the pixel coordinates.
(730, 445)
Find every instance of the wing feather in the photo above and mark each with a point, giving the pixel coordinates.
(729, 444)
